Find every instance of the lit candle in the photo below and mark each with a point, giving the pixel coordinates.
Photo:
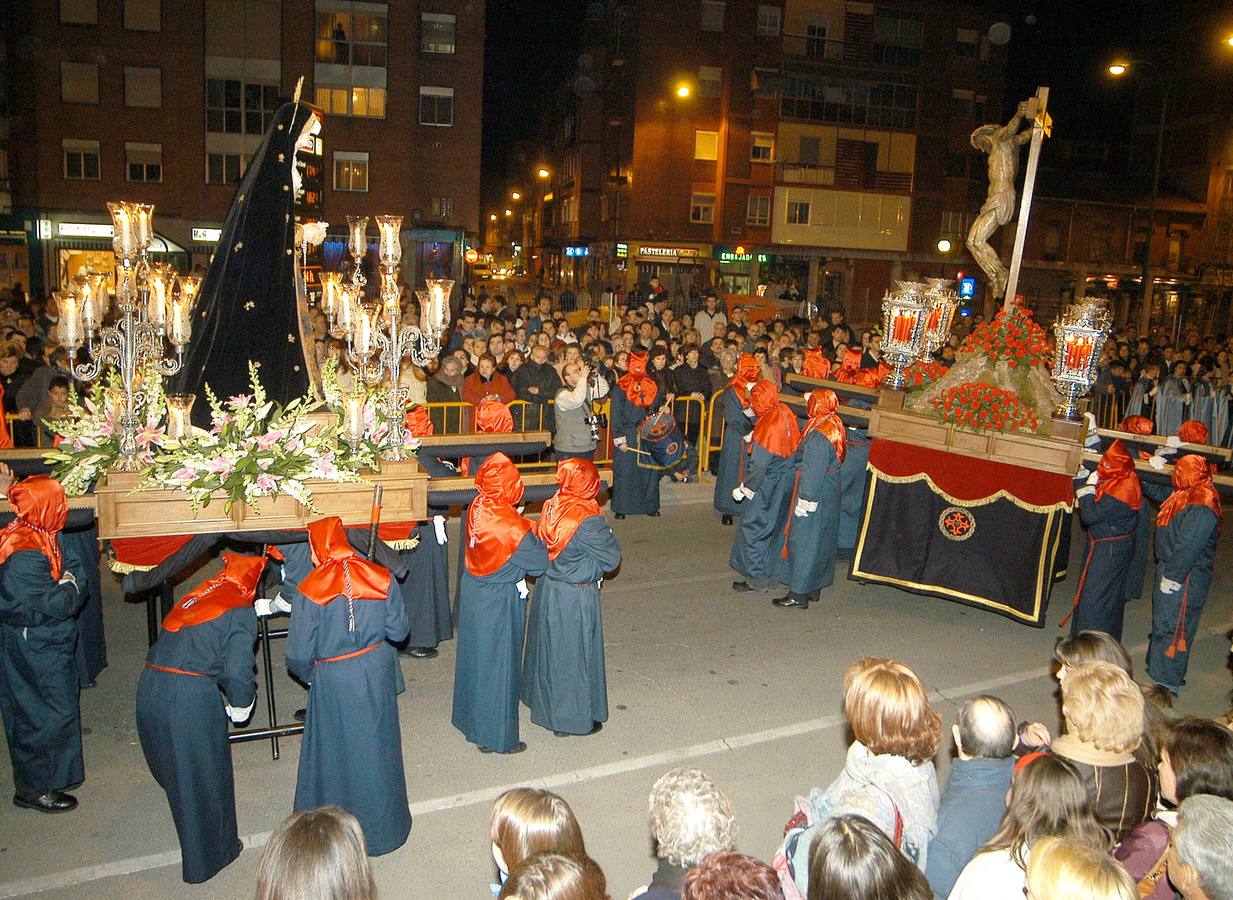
(391, 293)
(902, 329)
(346, 313)
(331, 290)
(180, 325)
(69, 306)
(90, 318)
(362, 339)
(156, 304)
(179, 411)
(391, 240)
(143, 224)
(357, 245)
(99, 296)
(437, 314)
(189, 286)
(123, 240)
(353, 415)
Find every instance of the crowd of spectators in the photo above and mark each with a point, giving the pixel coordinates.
(1127, 802)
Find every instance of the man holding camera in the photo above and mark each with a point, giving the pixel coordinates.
(577, 427)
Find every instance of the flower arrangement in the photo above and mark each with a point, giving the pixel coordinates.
(984, 407)
(88, 438)
(254, 448)
(923, 372)
(1012, 337)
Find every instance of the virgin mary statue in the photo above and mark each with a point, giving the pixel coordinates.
(251, 306)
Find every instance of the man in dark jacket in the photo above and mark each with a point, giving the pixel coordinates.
(536, 382)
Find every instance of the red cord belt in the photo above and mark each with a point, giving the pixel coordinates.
(350, 655)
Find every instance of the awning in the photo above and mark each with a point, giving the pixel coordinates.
(160, 244)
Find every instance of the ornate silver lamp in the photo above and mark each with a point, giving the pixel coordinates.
(942, 304)
(903, 330)
(1079, 336)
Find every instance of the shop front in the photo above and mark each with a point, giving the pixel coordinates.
(75, 246)
(739, 268)
(681, 268)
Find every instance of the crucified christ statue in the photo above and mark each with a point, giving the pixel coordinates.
(1001, 143)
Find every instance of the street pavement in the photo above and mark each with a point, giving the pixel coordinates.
(697, 675)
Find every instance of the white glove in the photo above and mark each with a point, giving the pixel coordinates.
(737, 494)
(748, 412)
(68, 578)
(1173, 441)
(279, 605)
(808, 394)
(523, 591)
(1084, 491)
(748, 439)
(802, 509)
(1093, 478)
(521, 508)
(1186, 399)
(237, 715)
(1082, 473)
(263, 606)
(438, 525)
(1169, 587)
(1157, 463)
(1091, 422)
(747, 492)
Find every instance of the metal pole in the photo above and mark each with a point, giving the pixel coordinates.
(1145, 315)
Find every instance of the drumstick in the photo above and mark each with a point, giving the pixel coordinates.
(375, 519)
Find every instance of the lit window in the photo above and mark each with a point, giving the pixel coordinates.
(758, 211)
(438, 32)
(79, 12)
(223, 168)
(351, 35)
(710, 80)
(436, 106)
(712, 17)
(768, 20)
(702, 208)
(143, 87)
(79, 82)
(143, 162)
(143, 15)
(354, 101)
(706, 145)
(798, 212)
(763, 147)
(81, 160)
(350, 171)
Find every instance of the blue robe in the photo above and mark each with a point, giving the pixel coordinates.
(1221, 435)
(351, 755)
(635, 490)
(1136, 572)
(488, 665)
(1202, 404)
(1171, 406)
(852, 476)
(81, 547)
(755, 550)
(38, 674)
(183, 730)
(736, 425)
(1111, 526)
(563, 679)
(813, 540)
(1142, 401)
(426, 590)
(1185, 549)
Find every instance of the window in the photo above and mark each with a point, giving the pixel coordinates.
(260, 104)
(815, 39)
(79, 12)
(348, 34)
(798, 212)
(763, 147)
(898, 36)
(702, 208)
(843, 102)
(710, 80)
(81, 160)
(143, 15)
(955, 222)
(961, 103)
(223, 115)
(438, 32)
(350, 171)
(967, 43)
(222, 168)
(442, 207)
(143, 87)
(79, 82)
(436, 106)
(706, 145)
(712, 17)
(768, 20)
(810, 151)
(143, 162)
(366, 102)
(758, 211)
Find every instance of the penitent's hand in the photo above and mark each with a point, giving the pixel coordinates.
(6, 479)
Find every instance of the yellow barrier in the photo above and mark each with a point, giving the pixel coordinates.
(12, 419)
(714, 442)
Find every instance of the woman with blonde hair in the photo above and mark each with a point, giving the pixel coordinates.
(318, 854)
(1047, 799)
(555, 876)
(888, 777)
(526, 821)
(1103, 712)
(1066, 870)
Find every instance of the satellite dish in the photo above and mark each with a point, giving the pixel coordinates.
(999, 34)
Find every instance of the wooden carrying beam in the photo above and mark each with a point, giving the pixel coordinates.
(1152, 441)
(849, 414)
(839, 387)
(1222, 483)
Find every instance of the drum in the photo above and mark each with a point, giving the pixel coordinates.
(660, 442)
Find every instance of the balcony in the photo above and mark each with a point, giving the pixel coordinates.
(844, 177)
(821, 49)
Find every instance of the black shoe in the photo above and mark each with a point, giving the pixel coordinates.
(50, 802)
(741, 587)
(791, 602)
(596, 728)
(726, 520)
(419, 652)
(300, 715)
(619, 516)
(518, 748)
(654, 515)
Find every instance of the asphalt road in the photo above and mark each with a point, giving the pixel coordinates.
(697, 675)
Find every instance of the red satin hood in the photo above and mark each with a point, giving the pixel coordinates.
(1192, 432)
(776, 430)
(816, 364)
(1136, 425)
(1117, 476)
(494, 525)
(418, 422)
(493, 417)
(639, 387)
(233, 587)
(823, 409)
(573, 503)
(1192, 484)
(41, 511)
(337, 562)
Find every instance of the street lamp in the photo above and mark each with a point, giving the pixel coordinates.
(543, 172)
(508, 213)
(492, 217)
(944, 246)
(1118, 69)
(682, 90)
(515, 195)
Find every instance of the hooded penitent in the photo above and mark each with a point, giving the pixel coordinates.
(41, 511)
(776, 429)
(494, 525)
(573, 502)
(339, 570)
(823, 409)
(747, 374)
(1116, 476)
(234, 586)
(1192, 484)
(638, 386)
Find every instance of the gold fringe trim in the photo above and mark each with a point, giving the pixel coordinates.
(123, 568)
(984, 501)
(409, 544)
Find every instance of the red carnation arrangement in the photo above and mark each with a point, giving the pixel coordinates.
(1012, 337)
(922, 373)
(985, 408)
